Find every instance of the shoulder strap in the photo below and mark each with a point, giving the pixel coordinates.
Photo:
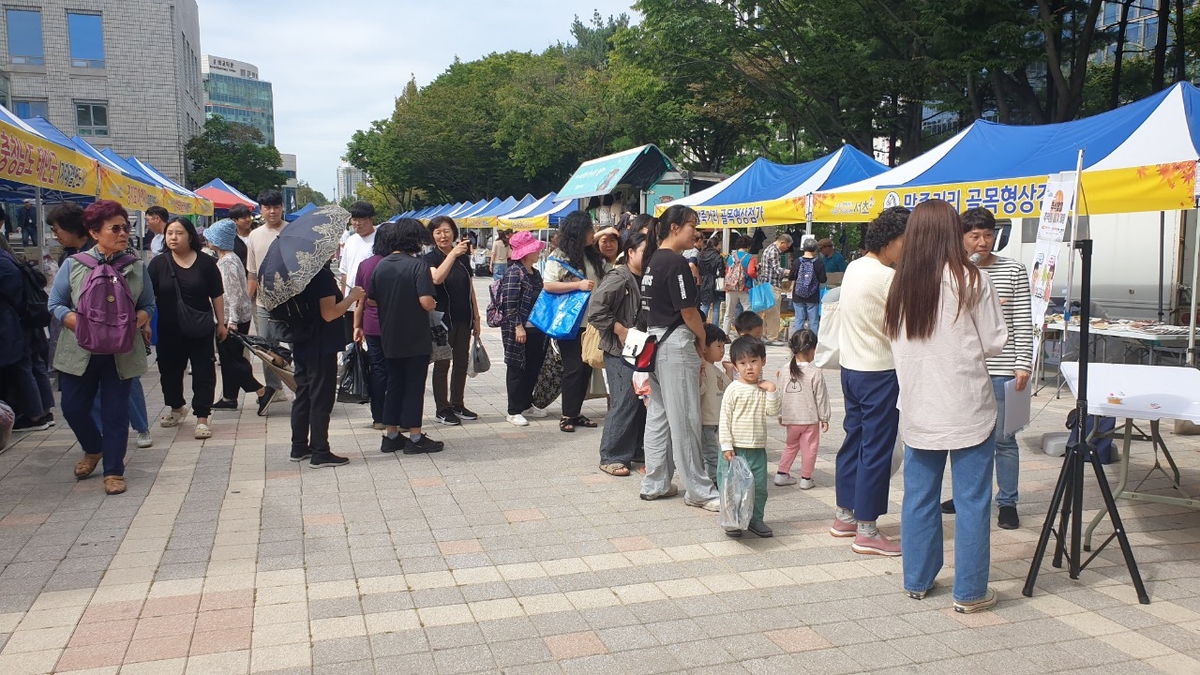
(567, 266)
(86, 259)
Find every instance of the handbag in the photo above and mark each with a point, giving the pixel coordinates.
(549, 382)
(479, 361)
(592, 354)
(354, 384)
(440, 334)
(560, 315)
(193, 323)
(641, 348)
(827, 354)
(762, 297)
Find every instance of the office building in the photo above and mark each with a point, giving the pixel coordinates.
(233, 91)
(289, 187)
(124, 74)
(348, 179)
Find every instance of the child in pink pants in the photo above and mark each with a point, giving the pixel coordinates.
(805, 406)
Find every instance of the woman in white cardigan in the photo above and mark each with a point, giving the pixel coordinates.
(944, 320)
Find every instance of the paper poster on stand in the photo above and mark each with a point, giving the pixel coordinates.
(1058, 202)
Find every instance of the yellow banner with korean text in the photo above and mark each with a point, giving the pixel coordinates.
(30, 160)
(777, 212)
(1157, 187)
(132, 194)
(517, 224)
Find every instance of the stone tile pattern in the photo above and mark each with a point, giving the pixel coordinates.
(511, 553)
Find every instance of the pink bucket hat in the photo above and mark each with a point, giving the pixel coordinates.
(523, 243)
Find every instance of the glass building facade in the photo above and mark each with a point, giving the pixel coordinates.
(241, 100)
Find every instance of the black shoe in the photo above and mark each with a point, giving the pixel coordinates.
(300, 455)
(1008, 519)
(760, 528)
(425, 445)
(393, 444)
(466, 414)
(448, 418)
(33, 424)
(265, 400)
(733, 532)
(225, 404)
(49, 418)
(948, 506)
(321, 460)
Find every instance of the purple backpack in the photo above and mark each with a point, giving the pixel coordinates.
(106, 317)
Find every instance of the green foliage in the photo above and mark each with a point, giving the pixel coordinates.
(234, 153)
(305, 194)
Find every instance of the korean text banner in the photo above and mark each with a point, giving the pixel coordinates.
(132, 194)
(1157, 187)
(759, 214)
(29, 160)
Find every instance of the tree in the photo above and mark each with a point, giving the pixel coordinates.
(236, 154)
(305, 194)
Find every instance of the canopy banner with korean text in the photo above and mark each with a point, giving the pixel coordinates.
(1155, 187)
(28, 159)
(132, 194)
(761, 214)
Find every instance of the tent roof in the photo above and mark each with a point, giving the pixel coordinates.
(765, 180)
(478, 208)
(525, 210)
(542, 213)
(640, 167)
(13, 190)
(300, 211)
(223, 195)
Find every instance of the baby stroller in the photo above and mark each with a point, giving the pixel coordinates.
(278, 359)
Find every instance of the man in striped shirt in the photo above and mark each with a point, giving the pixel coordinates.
(1015, 362)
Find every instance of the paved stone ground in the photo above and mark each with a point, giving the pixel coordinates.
(510, 552)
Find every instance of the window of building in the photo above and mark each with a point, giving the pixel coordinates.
(91, 119)
(30, 109)
(25, 37)
(86, 32)
(1111, 12)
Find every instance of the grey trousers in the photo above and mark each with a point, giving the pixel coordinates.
(625, 424)
(672, 422)
(710, 449)
(270, 331)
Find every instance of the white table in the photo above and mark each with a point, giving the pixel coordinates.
(1148, 393)
(1152, 342)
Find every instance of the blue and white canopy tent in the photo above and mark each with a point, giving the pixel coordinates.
(539, 215)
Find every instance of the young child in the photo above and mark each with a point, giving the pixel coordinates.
(714, 377)
(747, 404)
(805, 404)
(748, 323)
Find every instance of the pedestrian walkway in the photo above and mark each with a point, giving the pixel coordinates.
(511, 552)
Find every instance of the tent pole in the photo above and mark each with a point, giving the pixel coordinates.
(808, 214)
(1191, 350)
(1074, 220)
(41, 226)
(1162, 242)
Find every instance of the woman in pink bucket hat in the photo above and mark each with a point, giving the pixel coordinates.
(524, 345)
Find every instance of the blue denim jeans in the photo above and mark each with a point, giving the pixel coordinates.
(99, 382)
(864, 462)
(809, 312)
(1008, 456)
(498, 270)
(921, 543)
(138, 418)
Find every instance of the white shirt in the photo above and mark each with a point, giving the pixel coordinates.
(946, 399)
(356, 250)
(861, 341)
(156, 244)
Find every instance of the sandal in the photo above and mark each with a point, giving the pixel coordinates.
(203, 432)
(617, 469)
(584, 422)
(567, 424)
(172, 419)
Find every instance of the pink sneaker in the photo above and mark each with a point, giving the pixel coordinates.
(841, 528)
(875, 544)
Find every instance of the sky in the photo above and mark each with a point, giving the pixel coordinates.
(337, 66)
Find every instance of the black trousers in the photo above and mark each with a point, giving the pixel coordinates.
(236, 372)
(174, 353)
(404, 403)
(379, 376)
(460, 341)
(521, 381)
(316, 390)
(576, 376)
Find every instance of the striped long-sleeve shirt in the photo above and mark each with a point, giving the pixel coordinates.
(1012, 287)
(744, 412)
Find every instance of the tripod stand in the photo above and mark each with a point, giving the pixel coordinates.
(1068, 491)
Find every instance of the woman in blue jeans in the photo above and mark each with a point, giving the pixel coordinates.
(943, 319)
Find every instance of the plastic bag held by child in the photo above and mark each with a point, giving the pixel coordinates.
(641, 385)
(737, 495)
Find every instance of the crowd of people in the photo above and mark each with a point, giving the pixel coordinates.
(927, 339)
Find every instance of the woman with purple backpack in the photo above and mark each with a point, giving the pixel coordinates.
(95, 295)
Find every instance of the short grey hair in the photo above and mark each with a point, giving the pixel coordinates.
(784, 238)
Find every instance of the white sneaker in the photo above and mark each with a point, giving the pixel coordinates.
(144, 440)
(784, 479)
(807, 483)
(536, 412)
(517, 420)
(713, 504)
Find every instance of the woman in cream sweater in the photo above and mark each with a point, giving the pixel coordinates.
(864, 462)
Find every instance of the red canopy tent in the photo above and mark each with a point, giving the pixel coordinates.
(224, 195)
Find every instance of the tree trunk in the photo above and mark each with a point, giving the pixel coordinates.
(1180, 52)
(1160, 49)
(1114, 98)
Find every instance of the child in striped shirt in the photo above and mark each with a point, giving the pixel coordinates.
(742, 431)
